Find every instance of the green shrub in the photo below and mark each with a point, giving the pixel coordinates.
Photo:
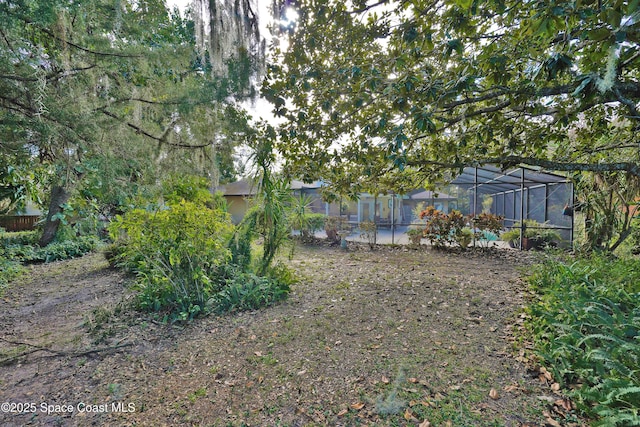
(314, 222)
(22, 253)
(19, 238)
(67, 249)
(247, 291)
(56, 251)
(586, 329)
(511, 236)
(9, 270)
(176, 254)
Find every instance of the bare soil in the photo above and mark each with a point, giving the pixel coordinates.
(385, 337)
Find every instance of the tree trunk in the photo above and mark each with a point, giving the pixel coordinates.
(59, 196)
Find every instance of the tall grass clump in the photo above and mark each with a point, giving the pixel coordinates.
(585, 323)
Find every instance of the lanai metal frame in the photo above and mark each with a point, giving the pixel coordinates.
(521, 193)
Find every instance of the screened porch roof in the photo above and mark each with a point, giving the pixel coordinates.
(489, 179)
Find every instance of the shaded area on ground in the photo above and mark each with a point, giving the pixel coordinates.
(432, 327)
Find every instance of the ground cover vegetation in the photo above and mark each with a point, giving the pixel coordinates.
(20, 248)
(380, 337)
(416, 90)
(585, 323)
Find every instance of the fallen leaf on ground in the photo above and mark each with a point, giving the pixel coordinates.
(408, 415)
(546, 374)
(425, 423)
(343, 412)
(357, 406)
(565, 404)
(550, 420)
(494, 394)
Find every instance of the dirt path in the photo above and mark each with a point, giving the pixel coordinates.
(384, 337)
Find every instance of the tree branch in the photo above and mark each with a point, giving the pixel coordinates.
(161, 139)
(550, 165)
(28, 21)
(56, 353)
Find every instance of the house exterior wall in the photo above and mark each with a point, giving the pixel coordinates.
(237, 207)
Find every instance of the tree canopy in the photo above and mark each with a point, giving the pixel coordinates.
(111, 89)
(422, 87)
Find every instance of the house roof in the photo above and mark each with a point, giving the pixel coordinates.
(248, 187)
(487, 179)
(244, 187)
(299, 185)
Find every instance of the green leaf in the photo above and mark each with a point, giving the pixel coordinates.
(586, 81)
(614, 17)
(599, 34)
(464, 4)
(454, 45)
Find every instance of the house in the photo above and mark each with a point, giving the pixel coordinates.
(238, 196)
(22, 220)
(383, 209)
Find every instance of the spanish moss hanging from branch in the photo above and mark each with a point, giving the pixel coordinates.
(230, 39)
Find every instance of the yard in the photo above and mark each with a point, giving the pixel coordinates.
(390, 336)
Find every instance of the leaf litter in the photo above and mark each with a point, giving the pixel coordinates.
(427, 333)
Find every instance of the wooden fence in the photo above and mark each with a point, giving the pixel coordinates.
(19, 222)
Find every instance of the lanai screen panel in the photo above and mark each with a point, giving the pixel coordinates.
(519, 193)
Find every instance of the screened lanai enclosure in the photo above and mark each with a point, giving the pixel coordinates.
(527, 199)
(541, 199)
